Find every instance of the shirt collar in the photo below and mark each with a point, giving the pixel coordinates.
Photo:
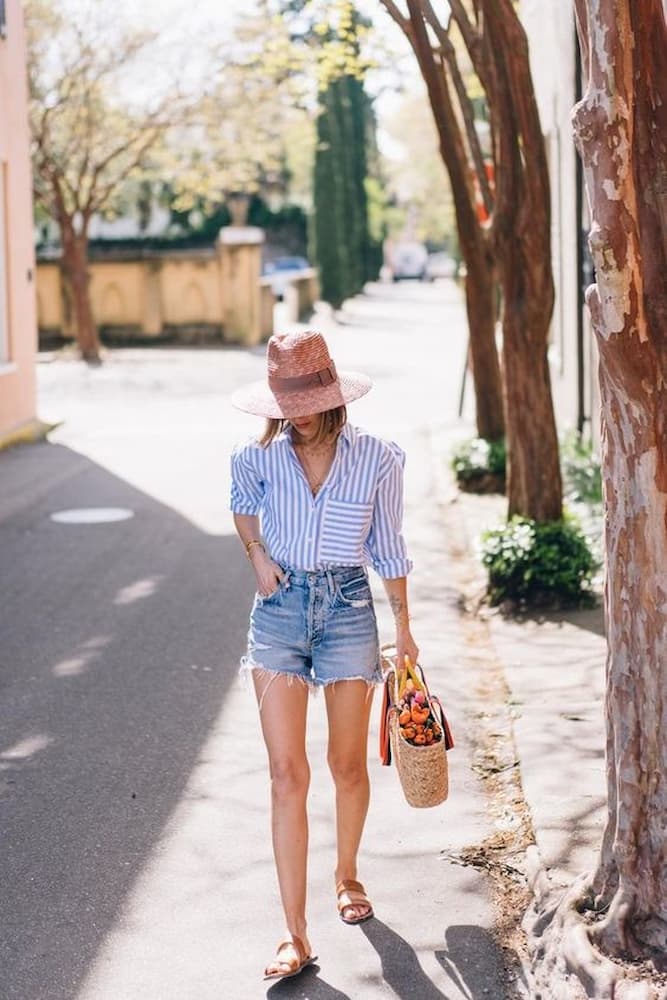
(348, 434)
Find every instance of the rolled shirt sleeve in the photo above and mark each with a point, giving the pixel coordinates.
(247, 492)
(385, 543)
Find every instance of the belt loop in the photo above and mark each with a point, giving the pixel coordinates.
(330, 583)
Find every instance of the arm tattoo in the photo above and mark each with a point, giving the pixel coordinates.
(398, 607)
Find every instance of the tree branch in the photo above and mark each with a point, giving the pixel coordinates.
(523, 174)
(471, 36)
(99, 197)
(402, 21)
(449, 132)
(467, 110)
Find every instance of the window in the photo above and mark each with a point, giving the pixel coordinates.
(4, 326)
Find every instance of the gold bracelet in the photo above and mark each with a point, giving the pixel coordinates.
(249, 545)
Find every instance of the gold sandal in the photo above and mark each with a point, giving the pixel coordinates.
(356, 896)
(293, 966)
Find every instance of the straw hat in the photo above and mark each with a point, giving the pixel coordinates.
(301, 380)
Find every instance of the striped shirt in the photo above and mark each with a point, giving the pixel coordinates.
(355, 519)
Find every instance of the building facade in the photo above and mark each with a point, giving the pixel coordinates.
(18, 325)
(557, 78)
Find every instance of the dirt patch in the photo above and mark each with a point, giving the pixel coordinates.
(502, 855)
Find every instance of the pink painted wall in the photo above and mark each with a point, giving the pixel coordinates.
(17, 362)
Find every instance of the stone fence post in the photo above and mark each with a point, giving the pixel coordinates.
(240, 256)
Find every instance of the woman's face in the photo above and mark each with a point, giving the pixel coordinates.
(306, 427)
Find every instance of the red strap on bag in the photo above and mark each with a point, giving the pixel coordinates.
(449, 739)
(385, 743)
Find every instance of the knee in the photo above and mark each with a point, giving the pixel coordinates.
(348, 771)
(290, 778)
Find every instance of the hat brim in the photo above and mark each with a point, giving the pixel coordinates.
(259, 399)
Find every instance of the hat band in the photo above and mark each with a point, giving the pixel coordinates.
(325, 376)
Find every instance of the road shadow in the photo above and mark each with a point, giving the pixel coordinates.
(471, 960)
(306, 986)
(119, 643)
(588, 619)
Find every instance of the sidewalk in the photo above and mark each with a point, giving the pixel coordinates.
(181, 902)
(193, 912)
(554, 667)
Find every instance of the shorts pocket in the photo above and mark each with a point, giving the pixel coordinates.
(354, 593)
(274, 598)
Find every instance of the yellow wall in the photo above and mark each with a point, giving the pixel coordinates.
(191, 291)
(217, 289)
(18, 348)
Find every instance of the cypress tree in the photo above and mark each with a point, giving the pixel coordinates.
(330, 247)
(342, 243)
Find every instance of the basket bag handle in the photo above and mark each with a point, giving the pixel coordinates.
(390, 700)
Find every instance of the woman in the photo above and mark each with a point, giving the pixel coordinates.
(330, 500)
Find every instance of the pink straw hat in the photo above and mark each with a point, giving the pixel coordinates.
(301, 380)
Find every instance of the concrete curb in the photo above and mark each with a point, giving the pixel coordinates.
(554, 667)
(28, 433)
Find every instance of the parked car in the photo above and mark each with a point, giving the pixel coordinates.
(440, 265)
(408, 260)
(282, 270)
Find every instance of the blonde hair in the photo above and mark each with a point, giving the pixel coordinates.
(331, 422)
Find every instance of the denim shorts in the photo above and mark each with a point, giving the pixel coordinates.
(318, 627)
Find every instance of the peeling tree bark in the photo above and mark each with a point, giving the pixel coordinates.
(621, 133)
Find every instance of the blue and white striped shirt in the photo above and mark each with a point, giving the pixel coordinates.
(354, 520)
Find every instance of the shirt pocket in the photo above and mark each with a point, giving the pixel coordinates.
(346, 526)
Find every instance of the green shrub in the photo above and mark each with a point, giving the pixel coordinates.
(549, 563)
(582, 478)
(477, 461)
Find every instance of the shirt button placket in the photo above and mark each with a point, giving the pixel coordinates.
(311, 535)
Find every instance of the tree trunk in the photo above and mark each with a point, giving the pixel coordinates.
(534, 483)
(632, 872)
(533, 469)
(620, 913)
(75, 274)
(480, 280)
(481, 306)
(621, 129)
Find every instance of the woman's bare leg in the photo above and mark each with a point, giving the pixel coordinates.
(348, 710)
(283, 703)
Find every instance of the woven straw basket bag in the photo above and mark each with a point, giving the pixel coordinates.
(422, 770)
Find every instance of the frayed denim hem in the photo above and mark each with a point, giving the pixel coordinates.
(249, 666)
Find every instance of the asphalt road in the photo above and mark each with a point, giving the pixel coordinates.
(135, 860)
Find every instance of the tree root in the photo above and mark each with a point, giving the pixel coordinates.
(565, 964)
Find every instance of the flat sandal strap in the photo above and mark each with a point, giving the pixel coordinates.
(349, 885)
(297, 944)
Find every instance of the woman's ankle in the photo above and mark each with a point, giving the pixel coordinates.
(298, 928)
(344, 872)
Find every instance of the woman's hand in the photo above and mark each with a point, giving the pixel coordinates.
(405, 646)
(269, 574)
